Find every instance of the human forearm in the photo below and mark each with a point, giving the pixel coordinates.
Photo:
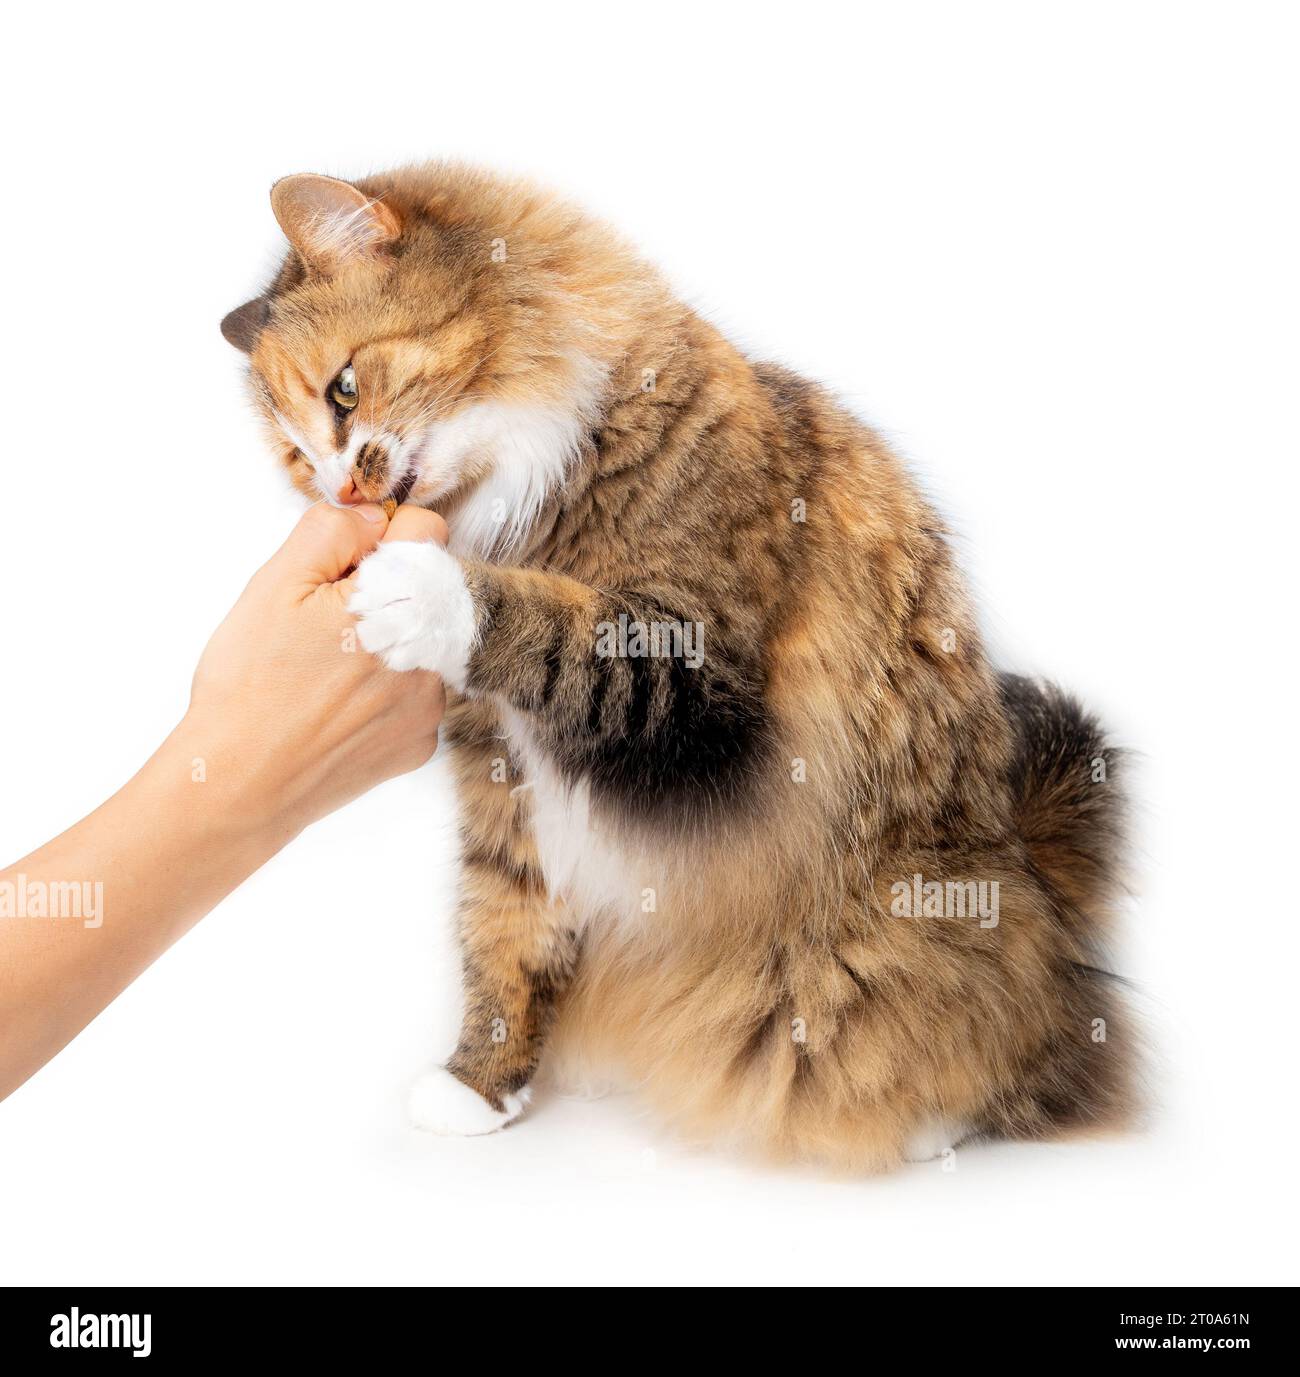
(288, 720)
(105, 899)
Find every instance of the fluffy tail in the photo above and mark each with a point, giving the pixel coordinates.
(1070, 808)
(1071, 816)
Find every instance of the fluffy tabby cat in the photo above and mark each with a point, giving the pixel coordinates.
(731, 758)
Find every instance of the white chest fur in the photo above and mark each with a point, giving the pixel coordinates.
(584, 863)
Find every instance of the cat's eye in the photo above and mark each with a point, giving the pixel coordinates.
(343, 390)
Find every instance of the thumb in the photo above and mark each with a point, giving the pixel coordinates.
(328, 541)
(414, 523)
(407, 523)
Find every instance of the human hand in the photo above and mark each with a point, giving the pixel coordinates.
(287, 711)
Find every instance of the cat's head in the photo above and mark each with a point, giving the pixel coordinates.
(428, 338)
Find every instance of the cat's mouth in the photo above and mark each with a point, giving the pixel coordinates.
(402, 489)
(438, 461)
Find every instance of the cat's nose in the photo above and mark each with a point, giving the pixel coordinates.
(348, 493)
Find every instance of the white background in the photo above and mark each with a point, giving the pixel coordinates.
(1049, 250)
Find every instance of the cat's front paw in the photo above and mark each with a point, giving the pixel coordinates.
(439, 1103)
(414, 610)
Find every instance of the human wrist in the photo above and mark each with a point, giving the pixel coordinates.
(225, 785)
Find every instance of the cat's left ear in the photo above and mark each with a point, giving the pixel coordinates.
(331, 223)
(243, 325)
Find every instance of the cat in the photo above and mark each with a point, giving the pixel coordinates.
(749, 821)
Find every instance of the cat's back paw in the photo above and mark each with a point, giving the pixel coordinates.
(439, 1103)
(933, 1139)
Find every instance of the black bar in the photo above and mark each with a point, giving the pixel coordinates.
(94, 1325)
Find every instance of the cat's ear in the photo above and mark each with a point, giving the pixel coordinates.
(243, 325)
(330, 222)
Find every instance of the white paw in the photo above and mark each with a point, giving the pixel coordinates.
(933, 1139)
(414, 610)
(439, 1103)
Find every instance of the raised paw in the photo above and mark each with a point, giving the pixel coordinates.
(413, 609)
(439, 1103)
